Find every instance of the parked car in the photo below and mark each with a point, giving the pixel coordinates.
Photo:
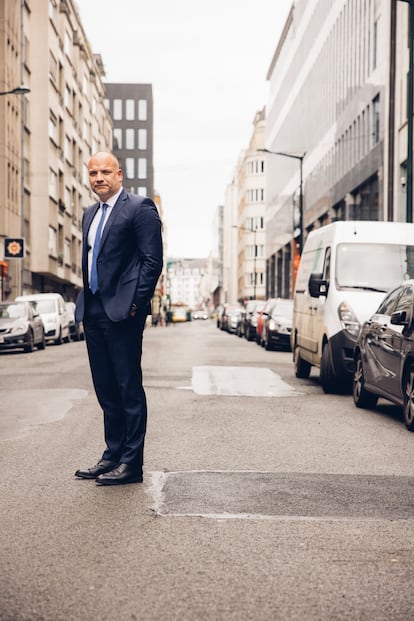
(250, 322)
(51, 308)
(246, 315)
(200, 314)
(277, 325)
(267, 308)
(229, 311)
(384, 354)
(20, 327)
(345, 271)
(75, 327)
(233, 320)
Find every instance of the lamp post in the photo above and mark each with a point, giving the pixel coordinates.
(251, 230)
(300, 158)
(18, 90)
(410, 96)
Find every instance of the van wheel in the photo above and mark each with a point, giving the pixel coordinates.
(302, 367)
(362, 398)
(326, 374)
(408, 392)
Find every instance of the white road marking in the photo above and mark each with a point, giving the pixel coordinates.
(239, 382)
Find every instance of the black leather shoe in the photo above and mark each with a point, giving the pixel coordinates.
(124, 473)
(103, 465)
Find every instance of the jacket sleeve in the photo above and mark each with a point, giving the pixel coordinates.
(148, 234)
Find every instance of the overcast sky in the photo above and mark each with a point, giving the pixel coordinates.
(207, 63)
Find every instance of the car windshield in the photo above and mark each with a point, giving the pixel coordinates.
(375, 267)
(45, 306)
(12, 311)
(283, 307)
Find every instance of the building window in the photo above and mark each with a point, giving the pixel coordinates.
(53, 69)
(117, 110)
(129, 139)
(142, 190)
(130, 166)
(142, 110)
(376, 119)
(53, 184)
(52, 241)
(142, 168)
(53, 127)
(130, 109)
(66, 252)
(117, 138)
(142, 139)
(67, 43)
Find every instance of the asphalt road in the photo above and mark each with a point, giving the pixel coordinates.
(263, 498)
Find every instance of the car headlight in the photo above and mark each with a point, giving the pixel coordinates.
(273, 325)
(348, 319)
(20, 328)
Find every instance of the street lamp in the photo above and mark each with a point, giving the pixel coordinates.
(300, 159)
(251, 230)
(18, 90)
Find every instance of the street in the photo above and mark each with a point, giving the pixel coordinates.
(263, 499)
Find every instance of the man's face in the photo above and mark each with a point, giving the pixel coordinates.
(105, 176)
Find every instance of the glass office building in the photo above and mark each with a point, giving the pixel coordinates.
(328, 82)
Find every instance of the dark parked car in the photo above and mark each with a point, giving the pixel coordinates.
(384, 355)
(21, 327)
(246, 315)
(277, 325)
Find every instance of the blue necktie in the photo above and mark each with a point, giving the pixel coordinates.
(93, 283)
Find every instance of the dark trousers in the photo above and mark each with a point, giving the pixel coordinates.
(115, 350)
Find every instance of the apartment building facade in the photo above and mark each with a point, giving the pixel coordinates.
(49, 134)
(327, 106)
(132, 111)
(244, 271)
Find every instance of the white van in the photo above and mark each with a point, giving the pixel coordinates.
(52, 310)
(345, 270)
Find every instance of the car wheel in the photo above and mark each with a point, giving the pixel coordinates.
(42, 342)
(29, 347)
(362, 397)
(267, 344)
(409, 398)
(59, 340)
(302, 367)
(326, 374)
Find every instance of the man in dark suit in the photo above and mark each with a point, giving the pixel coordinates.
(121, 263)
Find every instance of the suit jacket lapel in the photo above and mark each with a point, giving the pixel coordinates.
(112, 216)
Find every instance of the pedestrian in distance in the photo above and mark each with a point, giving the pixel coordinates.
(121, 263)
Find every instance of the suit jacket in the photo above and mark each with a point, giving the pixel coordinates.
(130, 256)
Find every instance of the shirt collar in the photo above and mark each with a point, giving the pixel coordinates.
(111, 201)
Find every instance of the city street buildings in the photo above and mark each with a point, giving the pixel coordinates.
(336, 119)
(326, 100)
(47, 137)
(244, 273)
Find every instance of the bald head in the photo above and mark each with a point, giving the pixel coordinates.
(105, 175)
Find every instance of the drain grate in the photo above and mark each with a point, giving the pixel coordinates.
(281, 495)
